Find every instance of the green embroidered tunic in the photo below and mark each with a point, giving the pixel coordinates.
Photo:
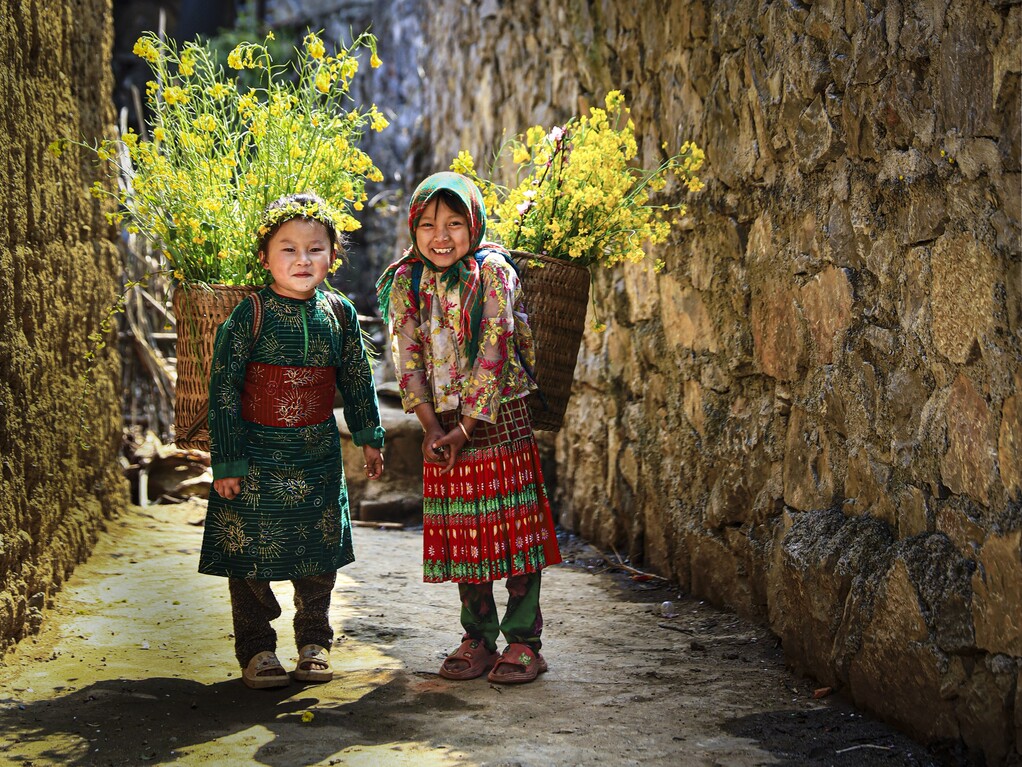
(291, 518)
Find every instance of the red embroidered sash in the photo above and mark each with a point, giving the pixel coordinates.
(287, 396)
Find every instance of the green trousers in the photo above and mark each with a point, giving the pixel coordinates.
(522, 622)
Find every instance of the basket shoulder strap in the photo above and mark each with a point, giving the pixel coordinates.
(416, 278)
(257, 317)
(337, 307)
(257, 325)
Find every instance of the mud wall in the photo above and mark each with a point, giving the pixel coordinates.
(812, 415)
(58, 272)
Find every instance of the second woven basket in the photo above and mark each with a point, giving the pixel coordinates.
(556, 294)
(199, 311)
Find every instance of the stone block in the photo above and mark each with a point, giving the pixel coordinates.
(732, 499)
(777, 335)
(984, 706)
(923, 215)
(816, 141)
(717, 573)
(1009, 444)
(866, 490)
(940, 575)
(813, 582)
(640, 289)
(686, 320)
(912, 517)
(809, 481)
(397, 495)
(997, 595)
(963, 275)
(968, 465)
(896, 674)
(693, 406)
(962, 60)
(826, 302)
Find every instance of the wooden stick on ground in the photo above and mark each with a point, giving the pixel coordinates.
(628, 568)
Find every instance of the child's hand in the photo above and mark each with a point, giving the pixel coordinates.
(451, 444)
(373, 462)
(227, 487)
(432, 450)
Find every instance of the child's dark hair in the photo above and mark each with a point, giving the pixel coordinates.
(452, 201)
(307, 205)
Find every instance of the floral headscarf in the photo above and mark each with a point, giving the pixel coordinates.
(464, 273)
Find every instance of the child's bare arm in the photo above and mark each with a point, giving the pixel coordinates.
(227, 487)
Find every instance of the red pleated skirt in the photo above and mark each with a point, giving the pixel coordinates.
(490, 517)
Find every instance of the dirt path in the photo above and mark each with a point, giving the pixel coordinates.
(134, 666)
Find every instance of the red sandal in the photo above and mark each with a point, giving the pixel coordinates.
(469, 661)
(518, 664)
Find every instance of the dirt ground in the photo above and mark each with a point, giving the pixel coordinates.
(134, 666)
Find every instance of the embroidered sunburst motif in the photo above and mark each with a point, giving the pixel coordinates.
(307, 568)
(290, 315)
(270, 539)
(301, 531)
(319, 352)
(250, 488)
(288, 485)
(315, 444)
(329, 524)
(229, 531)
(274, 352)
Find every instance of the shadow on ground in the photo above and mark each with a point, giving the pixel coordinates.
(136, 721)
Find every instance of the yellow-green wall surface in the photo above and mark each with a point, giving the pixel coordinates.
(59, 271)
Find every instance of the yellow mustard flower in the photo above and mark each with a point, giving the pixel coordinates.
(322, 81)
(145, 49)
(314, 46)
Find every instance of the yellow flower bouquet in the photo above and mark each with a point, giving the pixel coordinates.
(218, 150)
(579, 199)
(578, 194)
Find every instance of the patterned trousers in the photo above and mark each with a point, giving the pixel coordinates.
(253, 606)
(523, 621)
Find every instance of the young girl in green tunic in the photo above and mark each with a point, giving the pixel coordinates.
(278, 509)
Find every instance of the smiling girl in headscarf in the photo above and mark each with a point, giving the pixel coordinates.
(463, 351)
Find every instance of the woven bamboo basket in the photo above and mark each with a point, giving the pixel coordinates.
(199, 311)
(556, 294)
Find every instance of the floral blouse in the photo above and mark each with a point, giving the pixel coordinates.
(430, 353)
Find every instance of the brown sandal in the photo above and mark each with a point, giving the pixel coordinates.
(264, 671)
(313, 664)
(518, 664)
(470, 661)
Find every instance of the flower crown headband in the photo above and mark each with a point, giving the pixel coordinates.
(317, 211)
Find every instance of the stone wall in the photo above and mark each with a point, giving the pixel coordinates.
(812, 415)
(58, 267)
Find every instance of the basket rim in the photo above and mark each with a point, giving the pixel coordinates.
(548, 259)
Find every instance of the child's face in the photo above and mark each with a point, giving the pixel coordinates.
(298, 256)
(442, 235)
